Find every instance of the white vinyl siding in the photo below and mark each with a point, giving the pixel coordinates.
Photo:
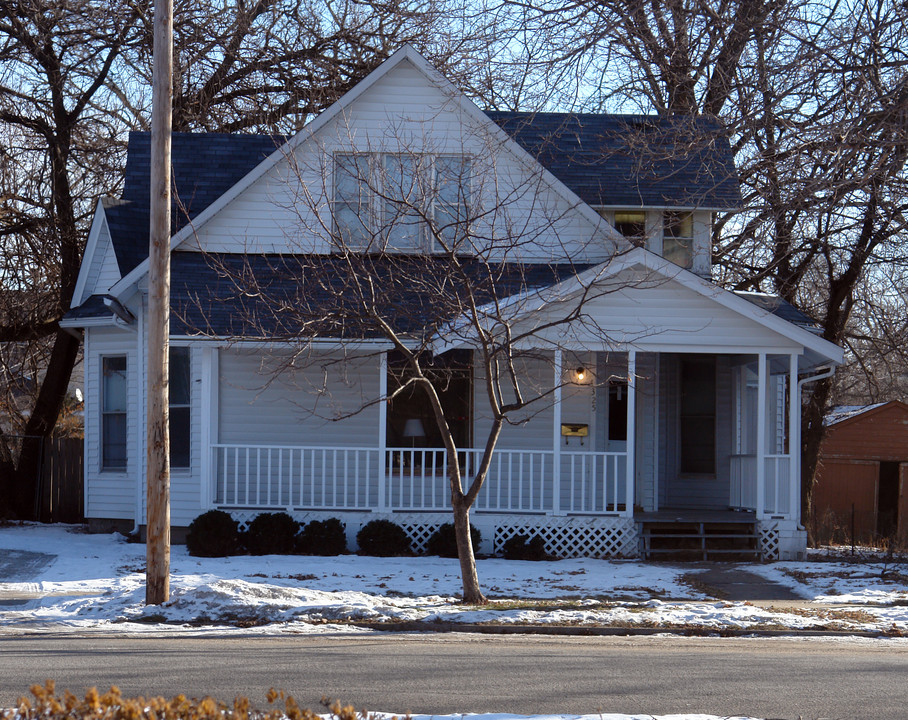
(290, 207)
(110, 493)
(258, 408)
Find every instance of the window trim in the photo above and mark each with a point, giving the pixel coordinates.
(676, 219)
(375, 202)
(105, 465)
(171, 405)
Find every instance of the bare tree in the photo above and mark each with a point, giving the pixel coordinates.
(75, 77)
(431, 249)
(814, 97)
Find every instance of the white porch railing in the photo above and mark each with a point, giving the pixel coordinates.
(777, 483)
(335, 478)
(271, 476)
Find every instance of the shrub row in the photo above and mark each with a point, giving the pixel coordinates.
(216, 534)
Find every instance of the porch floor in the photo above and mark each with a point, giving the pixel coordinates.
(695, 515)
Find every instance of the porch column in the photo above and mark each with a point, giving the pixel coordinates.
(631, 431)
(794, 437)
(382, 430)
(761, 434)
(556, 435)
(209, 425)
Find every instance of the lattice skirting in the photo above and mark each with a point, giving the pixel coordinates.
(769, 540)
(599, 537)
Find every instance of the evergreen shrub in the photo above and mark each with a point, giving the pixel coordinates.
(322, 537)
(383, 538)
(443, 541)
(271, 534)
(213, 534)
(523, 547)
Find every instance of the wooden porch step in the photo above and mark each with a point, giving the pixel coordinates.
(699, 540)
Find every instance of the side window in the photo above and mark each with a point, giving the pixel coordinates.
(351, 207)
(402, 202)
(180, 379)
(631, 225)
(678, 238)
(452, 197)
(113, 412)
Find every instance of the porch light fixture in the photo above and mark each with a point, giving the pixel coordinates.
(580, 374)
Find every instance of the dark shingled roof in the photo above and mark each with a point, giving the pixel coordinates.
(93, 307)
(781, 308)
(205, 166)
(632, 160)
(623, 160)
(224, 294)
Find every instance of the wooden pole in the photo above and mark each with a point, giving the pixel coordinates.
(157, 573)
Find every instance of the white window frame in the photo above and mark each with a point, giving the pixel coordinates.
(377, 204)
(683, 244)
(104, 413)
(178, 406)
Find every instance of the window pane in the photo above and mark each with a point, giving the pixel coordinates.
(179, 437)
(679, 225)
(631, 225)
(351, 199)
(401, 205)
(113, 389)
(179, 376)
(678, 251)
(113, 452)
(452, 193)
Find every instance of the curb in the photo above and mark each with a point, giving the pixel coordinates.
(598, 631)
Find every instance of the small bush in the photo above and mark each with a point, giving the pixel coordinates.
(213, 534)
(382, 538)
(271, 534)
(443, 542)
(522, 547)
(322, 537)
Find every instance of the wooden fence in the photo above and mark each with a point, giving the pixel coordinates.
(61, 494)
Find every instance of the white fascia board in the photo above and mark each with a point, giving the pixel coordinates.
(91, 247)
(90, 322)
(652, 263)
(224, 341)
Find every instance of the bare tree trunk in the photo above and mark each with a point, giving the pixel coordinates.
(812, 436)
(472, 594)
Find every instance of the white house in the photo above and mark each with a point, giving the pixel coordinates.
(671, 406)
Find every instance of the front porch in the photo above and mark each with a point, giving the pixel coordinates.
(616, 453)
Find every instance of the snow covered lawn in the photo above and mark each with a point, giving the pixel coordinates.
(96, 582)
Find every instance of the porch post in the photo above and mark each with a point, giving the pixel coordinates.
(382, 429)
(631, 431)
(556, 436)
(761, 434)
(794, 438)
(209, 424)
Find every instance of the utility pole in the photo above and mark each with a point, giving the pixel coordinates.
(157, 544)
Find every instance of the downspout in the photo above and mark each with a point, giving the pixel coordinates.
(140, 383)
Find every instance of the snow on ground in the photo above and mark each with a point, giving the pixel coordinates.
(97, 582)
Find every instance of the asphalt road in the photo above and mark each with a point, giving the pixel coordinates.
(773, 678)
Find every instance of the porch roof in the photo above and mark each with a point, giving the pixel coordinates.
(284, 297)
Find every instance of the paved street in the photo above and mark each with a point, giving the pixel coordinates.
(776, 678)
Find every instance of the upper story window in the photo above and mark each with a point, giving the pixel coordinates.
(400, 201)
(631, 225)
(113, 412)
(678, 238)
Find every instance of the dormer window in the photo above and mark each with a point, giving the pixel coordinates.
(678, 238)
(632, 225)
(400, 201)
